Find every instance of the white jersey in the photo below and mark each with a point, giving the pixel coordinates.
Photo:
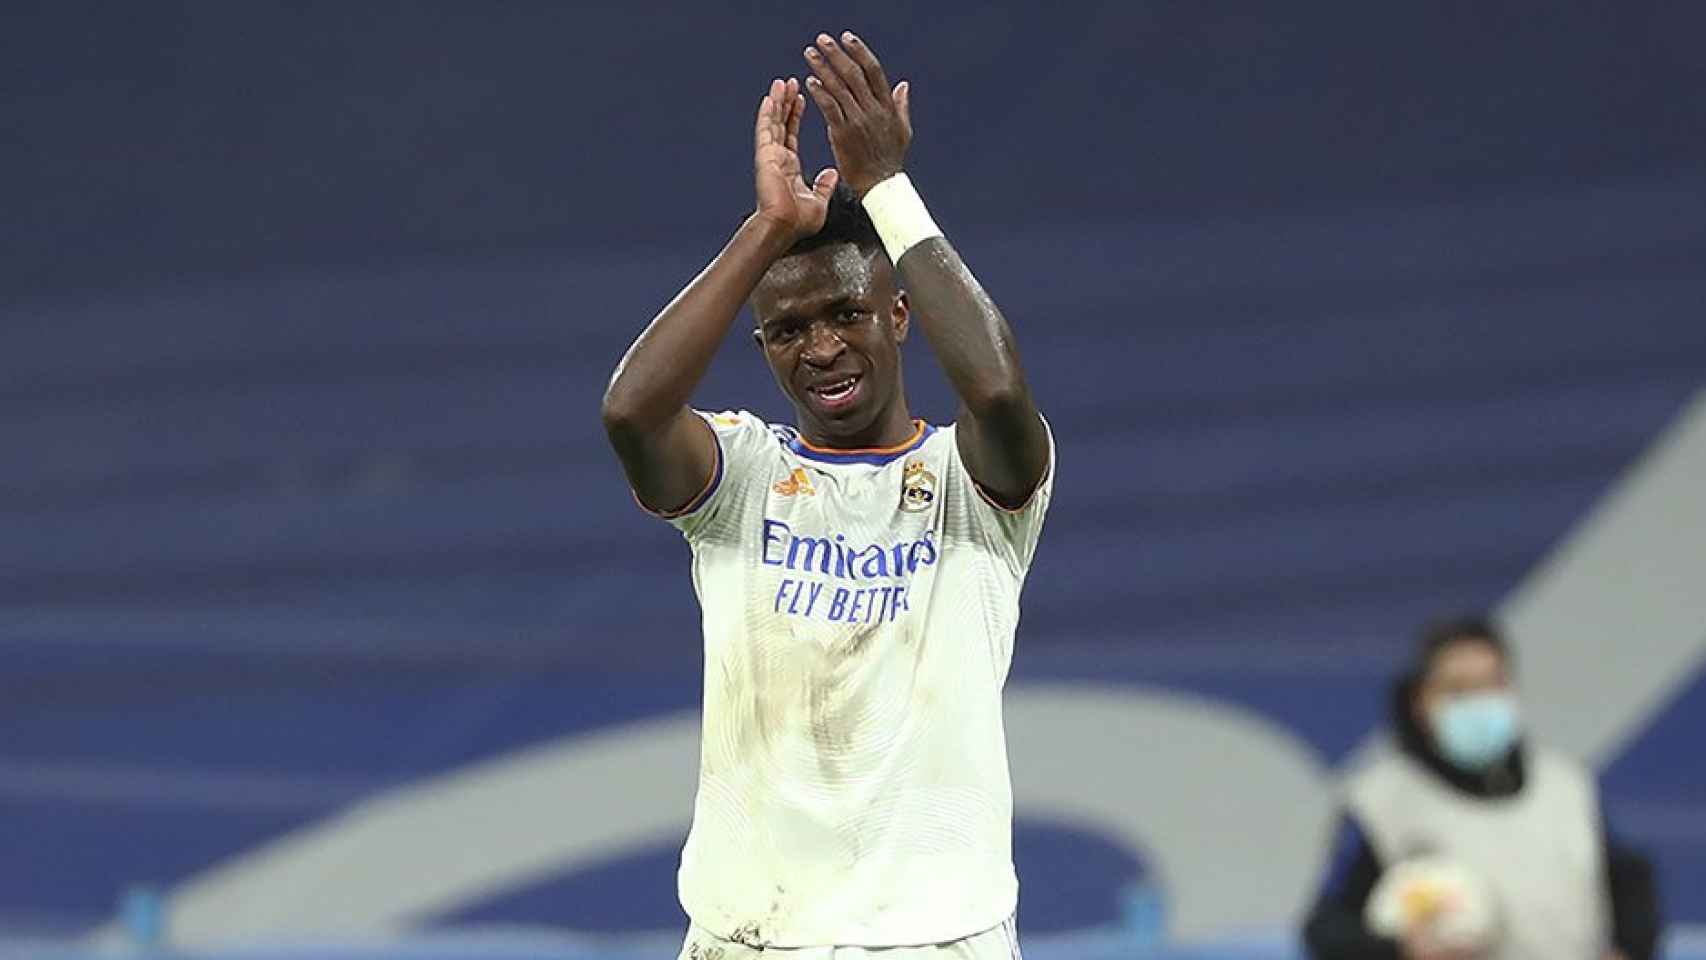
(859, 610)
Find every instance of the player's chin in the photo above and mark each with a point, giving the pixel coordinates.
(837, 421)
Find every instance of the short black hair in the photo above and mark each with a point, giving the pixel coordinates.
(846, 222)
(1442, 631)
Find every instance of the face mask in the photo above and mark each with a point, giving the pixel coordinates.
(1475, 731)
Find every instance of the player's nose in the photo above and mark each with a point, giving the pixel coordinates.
(823, 345)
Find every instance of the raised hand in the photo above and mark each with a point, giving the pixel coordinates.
(870, 125)
(784, 197)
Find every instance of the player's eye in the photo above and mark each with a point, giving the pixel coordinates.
(850, 315)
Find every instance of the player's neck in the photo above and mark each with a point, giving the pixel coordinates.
(891, 429)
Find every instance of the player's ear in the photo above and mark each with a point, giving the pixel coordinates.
(901, 315)
(757, 331)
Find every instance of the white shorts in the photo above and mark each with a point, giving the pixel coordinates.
(996, 943)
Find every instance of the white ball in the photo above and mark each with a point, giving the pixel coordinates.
(1443, 897)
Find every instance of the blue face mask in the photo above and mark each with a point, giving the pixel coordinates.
(1476, 731)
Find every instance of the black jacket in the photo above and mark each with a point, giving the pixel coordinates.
(1335, 929)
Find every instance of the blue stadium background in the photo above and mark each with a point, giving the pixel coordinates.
(1343, 315)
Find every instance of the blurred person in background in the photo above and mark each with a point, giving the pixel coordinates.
(1457, 787)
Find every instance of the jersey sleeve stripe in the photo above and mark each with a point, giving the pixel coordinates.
(1029, 497)
(703, 496)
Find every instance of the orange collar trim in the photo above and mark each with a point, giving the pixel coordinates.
(919, 429)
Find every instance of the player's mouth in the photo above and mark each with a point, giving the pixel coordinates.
(837, 393)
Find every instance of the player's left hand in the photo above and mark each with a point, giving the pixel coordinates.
(870, 125)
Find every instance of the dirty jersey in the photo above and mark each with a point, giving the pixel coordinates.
(859, 609)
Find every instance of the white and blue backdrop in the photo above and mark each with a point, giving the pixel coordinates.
(325, 618)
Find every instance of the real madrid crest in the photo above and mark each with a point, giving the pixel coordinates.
(917, 488)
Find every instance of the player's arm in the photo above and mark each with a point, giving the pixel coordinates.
(667, 451)
(1001, 436)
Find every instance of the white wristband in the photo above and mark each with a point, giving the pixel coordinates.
(898, 213)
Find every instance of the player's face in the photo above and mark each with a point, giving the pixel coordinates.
(1460, 668)
(831, 323)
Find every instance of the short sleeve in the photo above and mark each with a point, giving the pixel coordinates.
(1015, 531)
(745, 444)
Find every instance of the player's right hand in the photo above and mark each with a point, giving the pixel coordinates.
(784, 197)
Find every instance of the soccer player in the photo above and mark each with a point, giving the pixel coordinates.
(859, 573)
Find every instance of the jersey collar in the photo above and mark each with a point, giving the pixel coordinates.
(872, 455)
